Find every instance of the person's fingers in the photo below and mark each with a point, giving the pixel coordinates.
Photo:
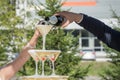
(66, 16)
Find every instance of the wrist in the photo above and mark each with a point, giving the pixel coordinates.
(33, 41)
(29, 46)
(79, 18)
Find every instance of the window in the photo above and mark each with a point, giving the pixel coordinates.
(89, 41)
(85, 43)
(96, 43)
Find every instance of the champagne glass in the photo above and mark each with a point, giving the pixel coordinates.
(42, 57)
(36, 59)
(52, 57)
(44, 29)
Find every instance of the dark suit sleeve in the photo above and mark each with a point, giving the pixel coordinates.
(103, 32)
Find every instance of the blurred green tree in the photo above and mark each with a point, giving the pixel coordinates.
(11, 36)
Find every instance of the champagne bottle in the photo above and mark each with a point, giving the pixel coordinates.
(55, 20)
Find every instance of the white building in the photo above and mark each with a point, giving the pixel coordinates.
(100, 9)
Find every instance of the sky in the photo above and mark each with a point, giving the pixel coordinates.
(95, 8)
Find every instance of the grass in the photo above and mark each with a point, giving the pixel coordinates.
(96, 68)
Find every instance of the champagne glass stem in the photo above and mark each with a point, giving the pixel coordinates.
(42, 68)
(44, 40)
(36, 70)
(53, 70)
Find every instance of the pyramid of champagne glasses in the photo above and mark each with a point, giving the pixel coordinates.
(43, 54)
